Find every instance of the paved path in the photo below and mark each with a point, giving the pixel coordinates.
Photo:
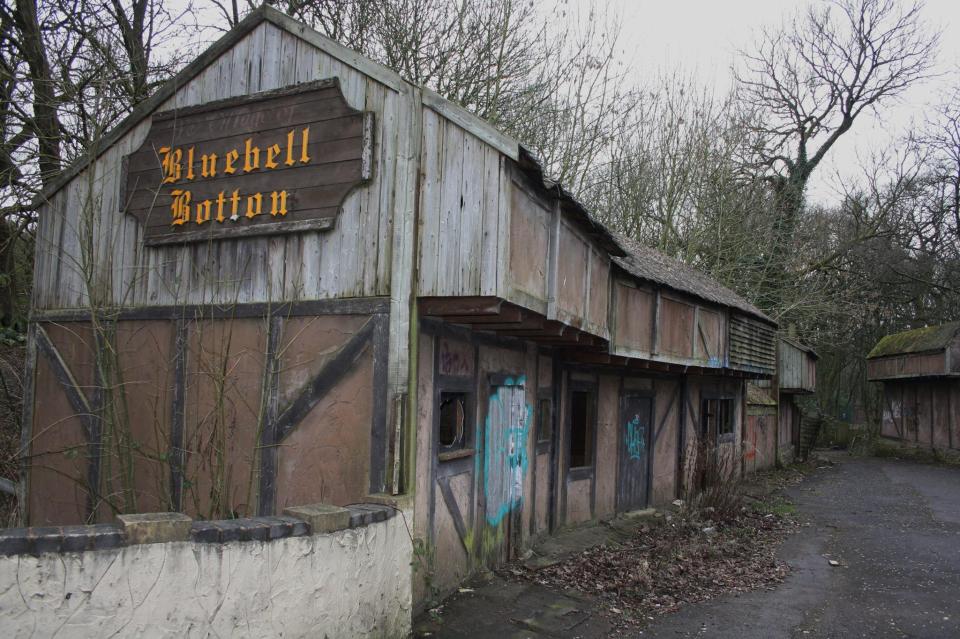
(895, 529)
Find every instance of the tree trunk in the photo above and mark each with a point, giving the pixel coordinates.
(47, 123)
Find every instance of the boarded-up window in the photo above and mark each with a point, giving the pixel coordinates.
(581, 429)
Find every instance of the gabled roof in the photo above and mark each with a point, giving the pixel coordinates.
(651, 265)
(919, 340)
(800, 346)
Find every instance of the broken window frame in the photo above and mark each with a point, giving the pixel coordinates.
(463, 444)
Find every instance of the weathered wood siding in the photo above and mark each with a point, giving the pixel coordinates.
(796, 368)
(922, 412)
(650, 324)
(84, 237)
(906, 366)
(531, 222)
(633, 319)
(463, 211)
(753, 345)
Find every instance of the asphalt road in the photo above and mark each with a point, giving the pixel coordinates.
(893, 526)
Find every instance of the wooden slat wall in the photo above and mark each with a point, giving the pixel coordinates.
(908, 366)
(462, 195)
(651, 324)
(352, 260)
(752, 345)
(796, 369)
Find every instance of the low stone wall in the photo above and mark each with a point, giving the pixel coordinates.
(258, 577)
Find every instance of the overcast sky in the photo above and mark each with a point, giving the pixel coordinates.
(703, 36)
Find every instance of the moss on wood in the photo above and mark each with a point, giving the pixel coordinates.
(918, 340)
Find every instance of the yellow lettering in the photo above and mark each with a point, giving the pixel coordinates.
(208, 165)
(231, 157)
(190, 163)
(255, 199)
(278, 203)
(304, 141)
(180, 207)
(170, 163)
(234, 206)
(203, 211)
(289, 161)
(272, 152)
(251, 152)
(220, 201)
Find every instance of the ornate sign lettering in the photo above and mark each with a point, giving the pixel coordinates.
(276, 162)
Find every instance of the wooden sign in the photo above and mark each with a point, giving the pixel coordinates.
(276, 162)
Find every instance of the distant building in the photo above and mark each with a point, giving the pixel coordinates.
(772, 430)
(796, 375)
(920, 373)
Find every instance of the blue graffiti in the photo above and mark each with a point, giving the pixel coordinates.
(505, 458)
(636, 438)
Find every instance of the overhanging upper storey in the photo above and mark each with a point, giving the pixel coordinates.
(527, 259)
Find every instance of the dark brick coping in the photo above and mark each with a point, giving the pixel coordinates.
(43, 539)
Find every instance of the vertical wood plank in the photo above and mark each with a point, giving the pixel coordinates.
(451, 203)
(431, 179)
(470, 216)
(489, 231)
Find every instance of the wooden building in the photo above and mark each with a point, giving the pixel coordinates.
(760, 429)
(796, 376)
(291, 276)
(772, 431)
(920, 374)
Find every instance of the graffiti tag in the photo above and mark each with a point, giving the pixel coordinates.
(636, 440)
(505, 450)
(455, 359)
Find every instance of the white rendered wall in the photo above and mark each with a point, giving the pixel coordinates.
(352, 583)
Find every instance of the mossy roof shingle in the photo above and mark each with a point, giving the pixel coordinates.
(918, 340)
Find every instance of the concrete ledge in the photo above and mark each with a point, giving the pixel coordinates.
(249, 529)
(43, 539)
(150, 528)
(155, 528)
(321, 517)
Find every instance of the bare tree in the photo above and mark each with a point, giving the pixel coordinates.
(809, 81)
(552, 83)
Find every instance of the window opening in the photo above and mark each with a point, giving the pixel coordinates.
(581, 429)
(453, 434)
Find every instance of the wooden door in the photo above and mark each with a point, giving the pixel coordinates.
(636, 416)
(504, 465)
